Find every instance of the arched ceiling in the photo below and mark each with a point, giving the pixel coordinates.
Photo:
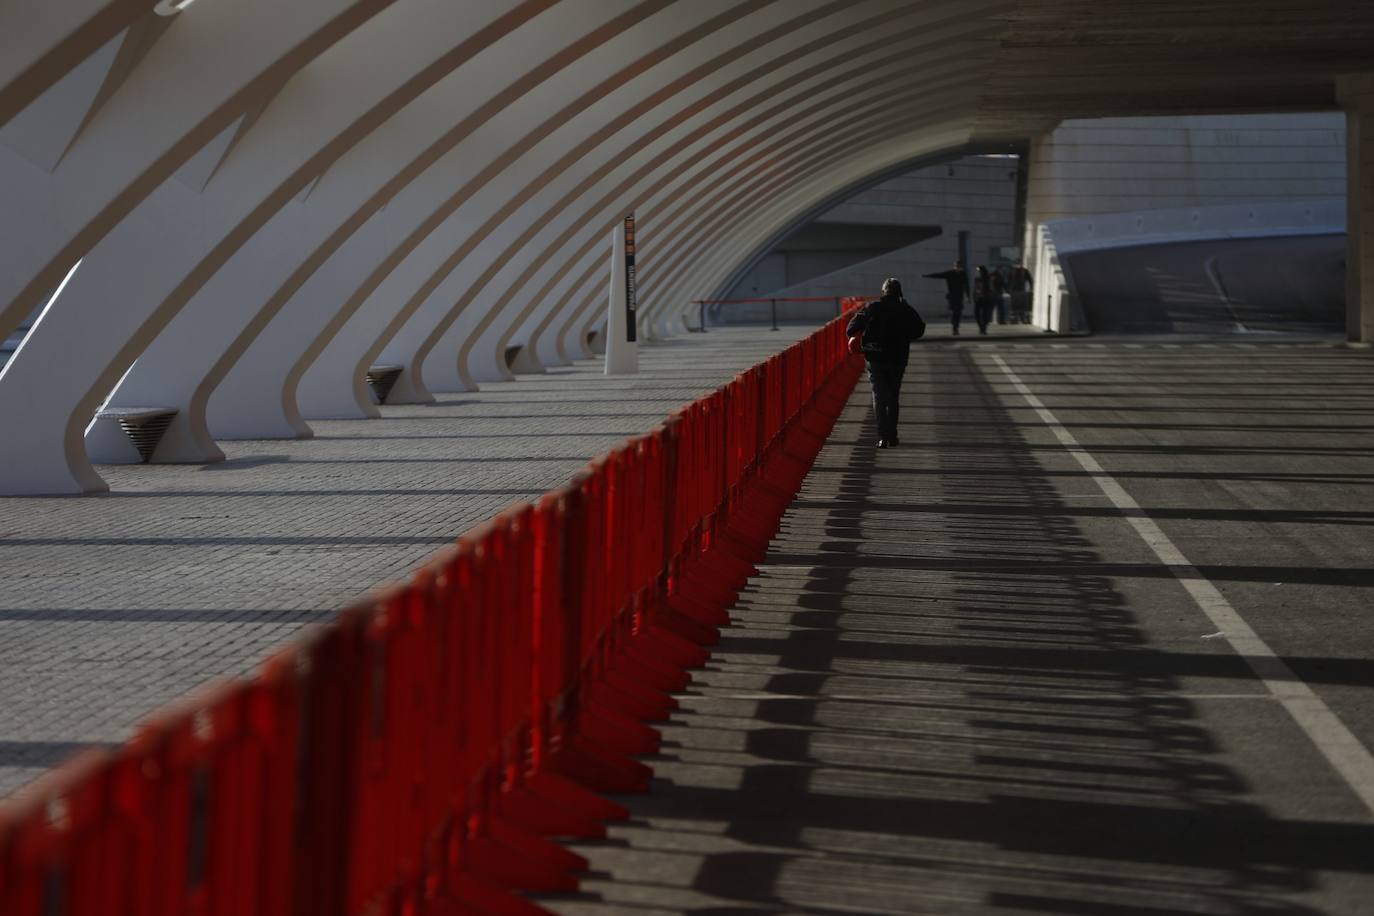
(266, 198)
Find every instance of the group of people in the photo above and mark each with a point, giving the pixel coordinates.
(990, 291)
(884, 329)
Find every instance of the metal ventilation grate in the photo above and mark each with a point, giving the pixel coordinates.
(143, 425)
(381, 379)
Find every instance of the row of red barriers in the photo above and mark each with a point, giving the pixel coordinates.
(418, 754)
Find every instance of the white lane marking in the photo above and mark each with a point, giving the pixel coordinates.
(709, 693)
(1351, 759)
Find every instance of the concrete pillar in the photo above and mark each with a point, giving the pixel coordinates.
(1041, 193)
(1357, 95)
(622, 355)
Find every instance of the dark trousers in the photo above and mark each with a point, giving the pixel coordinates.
(886, 379)
(956, 313)
(982, 313)
(1020, 306)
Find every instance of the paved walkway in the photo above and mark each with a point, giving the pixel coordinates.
(965, 683)
(112, 605)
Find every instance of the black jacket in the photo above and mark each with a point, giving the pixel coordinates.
(887, 326)
(1020, 280)
(956, 284)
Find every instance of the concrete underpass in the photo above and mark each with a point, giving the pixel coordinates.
(318, 318)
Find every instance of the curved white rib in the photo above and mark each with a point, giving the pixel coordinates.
(447, 201)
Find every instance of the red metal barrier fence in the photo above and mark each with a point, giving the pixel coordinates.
(842, 304)
(417, 755)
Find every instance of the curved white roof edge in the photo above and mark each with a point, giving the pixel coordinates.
(267, 198)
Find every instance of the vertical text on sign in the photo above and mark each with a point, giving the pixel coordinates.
(630, 295)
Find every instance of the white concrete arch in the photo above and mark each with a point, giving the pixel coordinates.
(883, 150)
(670, 237)
(266, 239)
(757, 138)
(884, 153)
(542, 330)
(585, 310)
(495, 346)
(805, 148)
(857, 45)
(540, 318)
(940, 142)
(412, 336)
(399, 349)
(551, 347)
(553, 333)
(403, 165)
(840, 194)
(176, 240)
(41, 43)
(527, 254)
(547, 121)
(276, 195)
(146, 109)
(678, 168)
(682, 278)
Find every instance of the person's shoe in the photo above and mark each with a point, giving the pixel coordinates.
(892, 442)
(882, 443)
(956, 332)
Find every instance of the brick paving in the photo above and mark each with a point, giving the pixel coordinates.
(113, 605)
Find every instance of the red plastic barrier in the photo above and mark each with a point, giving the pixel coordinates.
(417, 754)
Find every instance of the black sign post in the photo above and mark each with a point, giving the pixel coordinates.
(630, 295)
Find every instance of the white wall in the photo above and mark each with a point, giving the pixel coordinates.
(1114, 165)
(975, 193)
(1202, 170)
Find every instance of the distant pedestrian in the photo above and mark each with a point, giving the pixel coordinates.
(885, 329)
(1021, 286)
(999, 292)
(956, 290)
(982, 298)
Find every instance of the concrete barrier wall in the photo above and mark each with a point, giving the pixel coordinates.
(1320, 216)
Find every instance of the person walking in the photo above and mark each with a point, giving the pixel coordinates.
(885, 329)
(982, 298)
(999, 292)
(956, 290)
(1020, 284)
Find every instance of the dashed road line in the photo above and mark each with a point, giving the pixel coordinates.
(1350, 758)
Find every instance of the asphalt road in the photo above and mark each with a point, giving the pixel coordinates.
(1214, 286)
